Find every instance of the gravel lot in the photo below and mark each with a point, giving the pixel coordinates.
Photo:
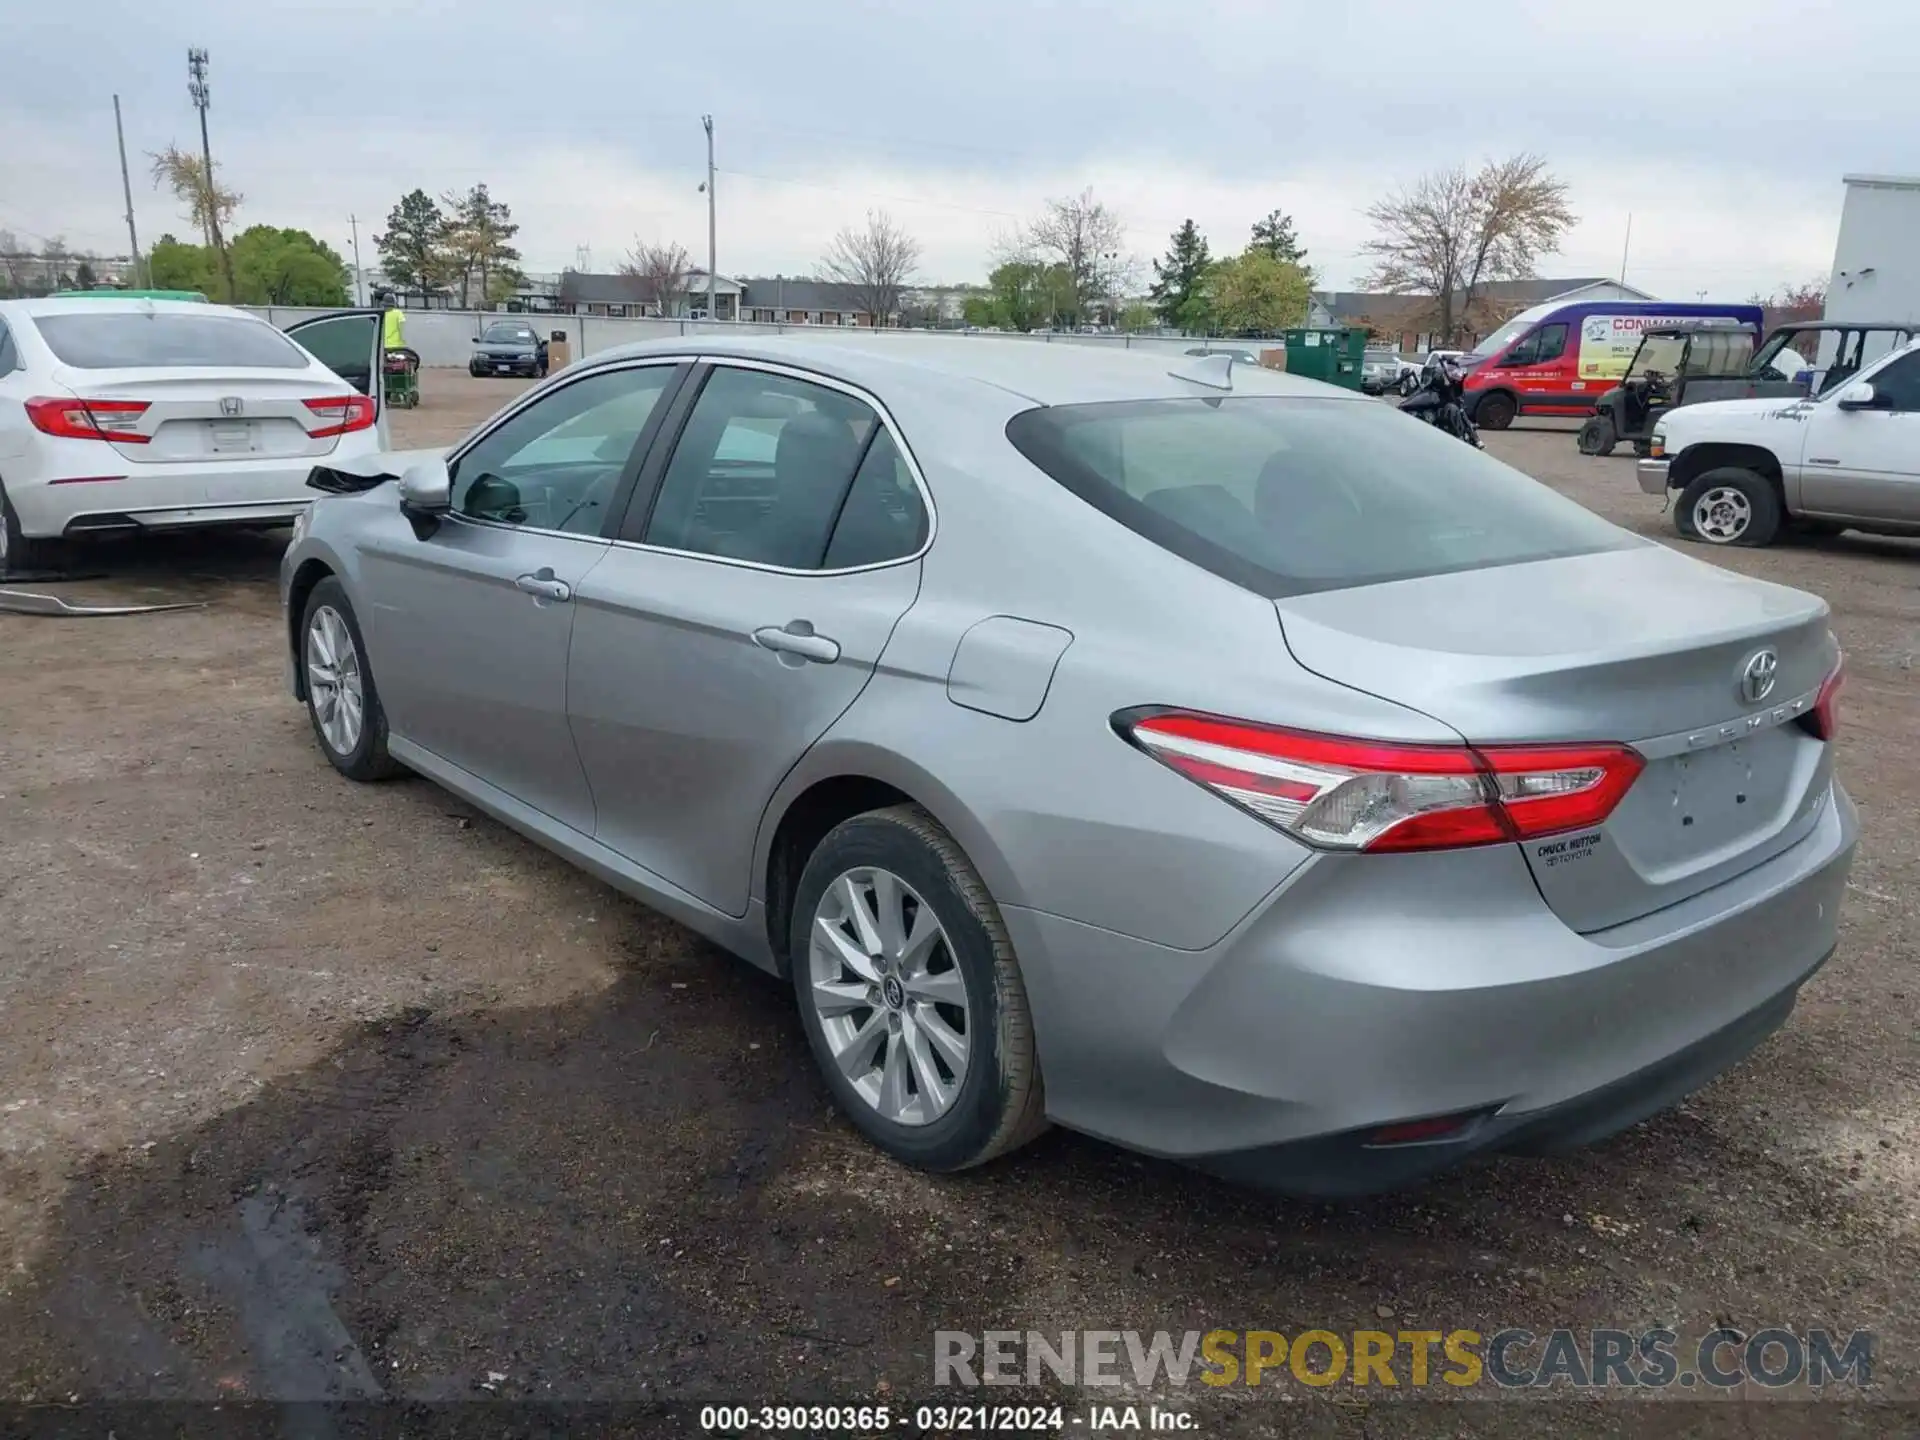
(309, 1088)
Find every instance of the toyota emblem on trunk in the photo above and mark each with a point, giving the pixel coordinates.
(230, 405)
(1756, 678)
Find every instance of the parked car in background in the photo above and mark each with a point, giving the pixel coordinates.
(1383, 372)
(1746, 470)
(1558, 359)
(138, 414)
(1215, 763)
(509, 347)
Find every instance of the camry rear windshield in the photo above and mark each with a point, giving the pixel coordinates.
(1287, 496)
(130, 339)
(502, 334)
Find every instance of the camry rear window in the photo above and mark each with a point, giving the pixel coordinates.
(502, 333)
(1288, 496)
(130, 339)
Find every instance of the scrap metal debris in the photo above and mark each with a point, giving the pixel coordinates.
(30, 602)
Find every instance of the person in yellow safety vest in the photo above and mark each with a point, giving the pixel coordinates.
(393, 334)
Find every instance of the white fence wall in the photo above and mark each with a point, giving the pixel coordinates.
(445, 337)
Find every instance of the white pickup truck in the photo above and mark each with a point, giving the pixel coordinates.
(1746, 469)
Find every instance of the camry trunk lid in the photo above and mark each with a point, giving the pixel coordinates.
(212, 416)
(1639, 645)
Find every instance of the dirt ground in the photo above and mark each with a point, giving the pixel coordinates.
(315, 1090)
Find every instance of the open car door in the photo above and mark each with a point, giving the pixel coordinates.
(351, 343)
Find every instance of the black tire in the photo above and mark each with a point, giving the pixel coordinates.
(473, 370)
(999, 1105)
(22, 552)
(367, 758)
(1597, 436)
(1763, 509)
(1495, 410)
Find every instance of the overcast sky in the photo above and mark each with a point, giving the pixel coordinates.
(1722, 126)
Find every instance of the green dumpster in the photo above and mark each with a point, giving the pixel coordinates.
(1330, 354)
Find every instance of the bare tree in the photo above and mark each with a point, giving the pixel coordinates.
(57, 260)
(876, 262)
(666, 270)
(1453, 232)
(14, 263)
(209, 204)
(1080, 234)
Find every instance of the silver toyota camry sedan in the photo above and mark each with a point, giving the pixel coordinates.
(1204, 759)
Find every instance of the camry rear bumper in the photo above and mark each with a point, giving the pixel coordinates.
(1375, 991)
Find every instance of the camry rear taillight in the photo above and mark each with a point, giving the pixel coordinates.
(1823, 721)
(340, 415)
(1342, 794)
(76, 419)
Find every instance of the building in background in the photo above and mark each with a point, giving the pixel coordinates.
(35, 272)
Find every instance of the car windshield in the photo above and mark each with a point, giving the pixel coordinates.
(1382, 357)
(1287, 496)
(1658, 353)
(508, 334)
(1498, 341)
(165, 339)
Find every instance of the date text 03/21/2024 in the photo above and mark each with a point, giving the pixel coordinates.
(943, 1419)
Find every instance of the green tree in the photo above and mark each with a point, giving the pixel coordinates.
(83, 275)
(1137, 317)
(174, 266)
(1179, 291)
(1255, 294)
(479, 235)
(287, 267)
(1274, 237)
(1027, 294)
(413, 249)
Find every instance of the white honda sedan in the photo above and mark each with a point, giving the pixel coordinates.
(133, 414)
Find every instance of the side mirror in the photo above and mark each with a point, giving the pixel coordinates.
(1857, 396)
(426, 489)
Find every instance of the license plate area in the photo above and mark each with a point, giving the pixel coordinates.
(230, 437)
(1698, 802)
(504, 369)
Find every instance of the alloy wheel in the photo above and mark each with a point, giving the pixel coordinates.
(1722, 514)
(890, 996)
(334, 681)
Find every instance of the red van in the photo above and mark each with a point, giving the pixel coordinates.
(1557, 359)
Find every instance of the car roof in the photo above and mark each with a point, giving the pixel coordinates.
(1056, 373)
(105, 305)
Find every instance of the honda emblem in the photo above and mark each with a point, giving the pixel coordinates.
(230, 406)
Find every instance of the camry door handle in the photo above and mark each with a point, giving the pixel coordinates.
(544, 586)
(796, 638)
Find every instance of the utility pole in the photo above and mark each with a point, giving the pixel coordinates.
(126, 190)
(197, 88)
(1625, 246)
(713, 256)
(354, 221)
